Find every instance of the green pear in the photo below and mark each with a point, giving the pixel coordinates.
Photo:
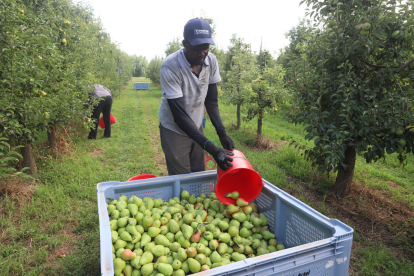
(187, 231)
(185, 195)
(201, 258)
(223, 225)
(122, 222)
(181, 254)
(165, 269)
(158, 250)
(272, 242)
(200, 248)
(173, 226)
(110, 209)
(241, 217)
(135, 262)
(153, 231)
(136, 272)
(146, 258)
(215, 205)
(170, 236)
(176, 264)
(222, 248)
(174, 246)
(267, 235)
(147, 222)
(131, 230)
(233, 195)
(114, 224)
(162, 240)
(241, 202)
(120, 244)
(185, 267)
(119, 252)
(179, 272)
(112, 201)
(183, 242)
(248, 250)
(145, 239)
(127, 271)
(262, 251)
(193, 264)
(215, 257)
(224, 237)
(207, 251)
(265, 222)
(280, 247)
(121, 205)
(271, 248)
(119, 265)
(125, 236)
(133, 209)
(147, 269)
(114, 236)
(237, 256)
(148, 246)
(244, 232)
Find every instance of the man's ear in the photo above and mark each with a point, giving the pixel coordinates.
(185, 43)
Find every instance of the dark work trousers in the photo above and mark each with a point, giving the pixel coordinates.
(182, 154)
(105, 105)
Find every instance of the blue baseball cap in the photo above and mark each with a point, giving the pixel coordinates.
(197, 31)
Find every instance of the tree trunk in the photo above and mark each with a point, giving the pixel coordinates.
(238, 116)
(52, 137)
(344, 178)
(28, 158)
(259, 125)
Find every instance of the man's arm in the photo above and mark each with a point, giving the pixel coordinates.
(211, 104)
(186, 124)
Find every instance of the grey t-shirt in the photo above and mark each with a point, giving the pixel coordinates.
(178, 80)
(100, 91)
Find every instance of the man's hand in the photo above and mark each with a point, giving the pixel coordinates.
(226, 141)
(220, 156)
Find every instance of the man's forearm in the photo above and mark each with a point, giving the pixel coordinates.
(211, 104)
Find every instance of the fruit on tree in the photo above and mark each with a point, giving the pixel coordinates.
(358, 27)
(364, 32)
(395, 34)
(402, 142)
(399, 131)
(46, 115)
(64, 42)
(366, 26)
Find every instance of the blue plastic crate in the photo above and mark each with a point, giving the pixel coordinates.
(141, 85)
(315, 245)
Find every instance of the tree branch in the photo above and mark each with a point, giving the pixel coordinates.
(405, 65)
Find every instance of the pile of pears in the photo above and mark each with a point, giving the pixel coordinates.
(182, 237)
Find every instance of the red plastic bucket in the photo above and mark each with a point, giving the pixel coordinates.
(240, 177)
(102, 124)
(142, 176)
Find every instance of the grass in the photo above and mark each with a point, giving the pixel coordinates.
(61, 217)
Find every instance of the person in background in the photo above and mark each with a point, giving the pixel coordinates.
(189, 80)
(104, 106)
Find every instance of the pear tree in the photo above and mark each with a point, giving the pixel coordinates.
(353, 78)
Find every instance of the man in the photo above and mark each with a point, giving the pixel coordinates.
(189, 80)
(104, 106)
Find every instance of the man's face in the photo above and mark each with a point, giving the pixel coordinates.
(196, 54)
